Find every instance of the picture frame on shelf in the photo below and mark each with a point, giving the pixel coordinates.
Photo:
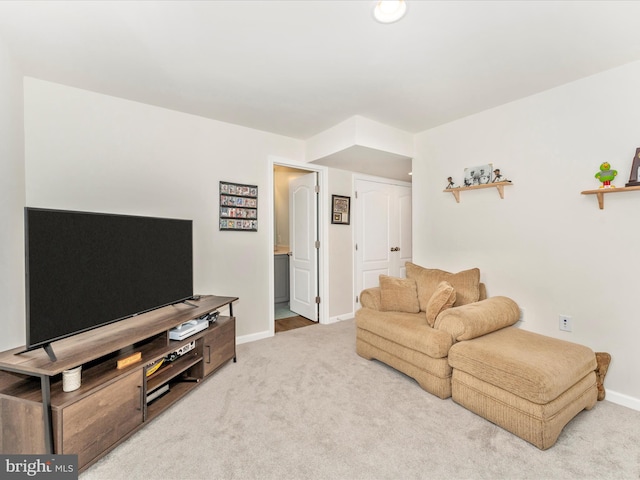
(634, 176)
(480, 175)
(340, 209)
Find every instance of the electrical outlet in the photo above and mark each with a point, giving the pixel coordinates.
(565, 323)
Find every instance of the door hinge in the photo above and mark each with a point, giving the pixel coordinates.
(357, 299)
(316, 189)
(356, 247)
(355, 194)
(317, 244)
(317, 299)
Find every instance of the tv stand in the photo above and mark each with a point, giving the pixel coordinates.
(111, 404)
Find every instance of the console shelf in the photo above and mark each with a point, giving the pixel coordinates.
(111, 404)
(172, 370)
(498, 185)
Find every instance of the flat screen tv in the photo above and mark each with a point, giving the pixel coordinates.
(85, 270)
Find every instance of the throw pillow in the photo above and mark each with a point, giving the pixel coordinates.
(465, 283)
(398, 295)
(444, 297)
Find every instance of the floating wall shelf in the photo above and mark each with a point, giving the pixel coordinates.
(499, 185)
(601, 191)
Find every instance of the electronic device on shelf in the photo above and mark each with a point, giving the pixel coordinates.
(189, 328)
(180, 351)
(153, 368)
(151, 396)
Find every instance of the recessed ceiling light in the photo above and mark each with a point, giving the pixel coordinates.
(389, 11)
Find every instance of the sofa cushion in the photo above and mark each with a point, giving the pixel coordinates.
(444, 297)
(408, 331)
(398, 295)
(370, 298)
(532, 366)
(465, 283)
(478, 318)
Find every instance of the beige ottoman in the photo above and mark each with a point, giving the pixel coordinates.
(528, 384)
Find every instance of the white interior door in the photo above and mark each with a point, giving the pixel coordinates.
(373, 235)
(303, 234)
(383, 232)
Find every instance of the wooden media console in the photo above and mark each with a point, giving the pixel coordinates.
(37, 416)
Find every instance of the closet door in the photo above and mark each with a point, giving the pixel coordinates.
(383, 231)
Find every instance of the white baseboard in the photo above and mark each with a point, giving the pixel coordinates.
(622, 399)
(265, 334)
(340, 318)
(253, 337)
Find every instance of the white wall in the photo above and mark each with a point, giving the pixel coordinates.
(545, 245)
(341, 245)
(91, 152)
(12, 193)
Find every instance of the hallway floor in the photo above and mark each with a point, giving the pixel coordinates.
(282, 311)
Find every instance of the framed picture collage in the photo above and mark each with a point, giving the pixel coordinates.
(238, 207)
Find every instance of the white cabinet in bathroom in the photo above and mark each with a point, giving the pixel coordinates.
(281, 280)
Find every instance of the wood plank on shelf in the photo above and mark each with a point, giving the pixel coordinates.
(172, 370)
(600, 193)
(177, 390)
(497, 185)
(93, 344)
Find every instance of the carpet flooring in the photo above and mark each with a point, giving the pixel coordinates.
(302, 405)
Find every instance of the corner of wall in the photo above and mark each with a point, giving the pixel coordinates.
(12, 186)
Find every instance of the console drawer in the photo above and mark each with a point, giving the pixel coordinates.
(219, 344)
(98, 421)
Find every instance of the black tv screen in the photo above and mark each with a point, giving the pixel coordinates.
(85, 270)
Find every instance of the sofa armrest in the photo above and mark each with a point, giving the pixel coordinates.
(371, 298)
(479, 318)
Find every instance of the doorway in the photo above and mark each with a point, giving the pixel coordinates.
(296, 287)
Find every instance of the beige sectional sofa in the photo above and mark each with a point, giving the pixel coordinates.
(441, 329)
(410, 324)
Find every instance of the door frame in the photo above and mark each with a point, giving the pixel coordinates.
(323, 235)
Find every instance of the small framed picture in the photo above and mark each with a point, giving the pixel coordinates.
(480, 175)
(340, 209)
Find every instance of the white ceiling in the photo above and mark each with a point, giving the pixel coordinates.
(297, 68)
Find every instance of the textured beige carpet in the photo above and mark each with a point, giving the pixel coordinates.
(303, 405)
